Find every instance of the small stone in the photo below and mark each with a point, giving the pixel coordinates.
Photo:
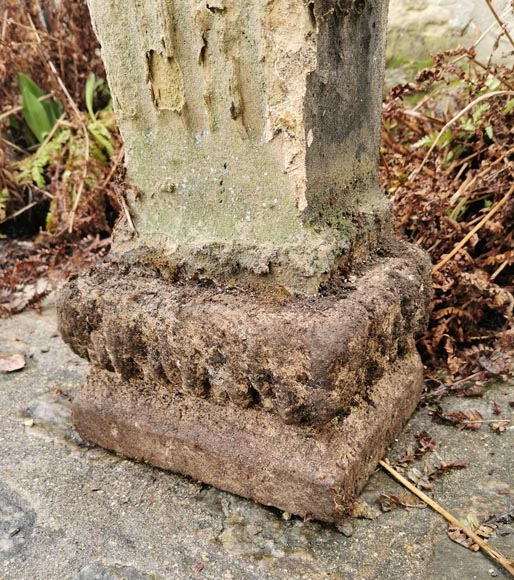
(29, 422)
(364, 510)
(346, 528)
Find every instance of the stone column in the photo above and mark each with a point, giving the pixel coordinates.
(254, 324)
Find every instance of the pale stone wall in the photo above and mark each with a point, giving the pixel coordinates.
(418, 28)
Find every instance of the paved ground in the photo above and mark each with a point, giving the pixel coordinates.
(70, 511)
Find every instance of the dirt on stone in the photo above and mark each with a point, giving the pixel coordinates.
(446, 156)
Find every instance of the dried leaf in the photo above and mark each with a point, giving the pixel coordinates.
(499, 427)
(426, 443)
(418, 479)
(11, 363)
(446, 467)
(458, 536)
(406, 500)
(440, 196)
(462, 420)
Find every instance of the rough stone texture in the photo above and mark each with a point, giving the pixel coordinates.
(418, 28)
(287, 400)
(305, 360)
(256, 329)
(97, 513)
(251, 132)
(16, 523)
(312, 472)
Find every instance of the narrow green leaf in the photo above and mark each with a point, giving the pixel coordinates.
(28, 86)
(102, 136)
(508, 107)
(36, 116)
(40, 116)
(89, 94)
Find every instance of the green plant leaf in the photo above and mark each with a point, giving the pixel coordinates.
(36, 116)
(102, 136)
(28, 86)
(40, 116)
(4, 198)
(90, 93)
(53, 108)
(508, 107)
(479, 111)
(468, 125)
(492, 83)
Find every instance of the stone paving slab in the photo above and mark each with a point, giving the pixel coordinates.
(72, 511)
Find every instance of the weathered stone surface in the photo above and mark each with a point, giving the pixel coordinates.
(255, 329)
(313, 472)
(16, 523)
(115, 572)
(303, 359)
(251, 132)
(287, 400)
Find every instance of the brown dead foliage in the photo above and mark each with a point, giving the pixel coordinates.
(53, 44)
(447, 163)
(471, 419)
(29, 272)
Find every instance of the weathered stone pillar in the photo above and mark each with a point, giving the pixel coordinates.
(254, 326)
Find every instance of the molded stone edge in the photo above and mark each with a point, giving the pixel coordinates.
(313, 472)
(305, 360)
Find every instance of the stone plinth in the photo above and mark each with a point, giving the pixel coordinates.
(287, 400)
(255, 329)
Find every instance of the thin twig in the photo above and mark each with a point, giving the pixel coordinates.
(500, 558)
(500, 269)
(77, 114)
(19, 212)
(127, 213)
(42, 32)
(468, 236)
(487, 421)
(14, 146)
(500, 21)
(113, 168)
(56, 126)
(14, 110)
(4, 23)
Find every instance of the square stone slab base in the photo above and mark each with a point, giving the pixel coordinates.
(314, 472)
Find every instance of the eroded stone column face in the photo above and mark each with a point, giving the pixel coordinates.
(251, 131)
(257, 330)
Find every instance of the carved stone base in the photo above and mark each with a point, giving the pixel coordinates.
(286, 400)
(313, 472)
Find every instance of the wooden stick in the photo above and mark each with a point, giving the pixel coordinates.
(500, 21)
(14, 110)
(468, 236)
(500, 558)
